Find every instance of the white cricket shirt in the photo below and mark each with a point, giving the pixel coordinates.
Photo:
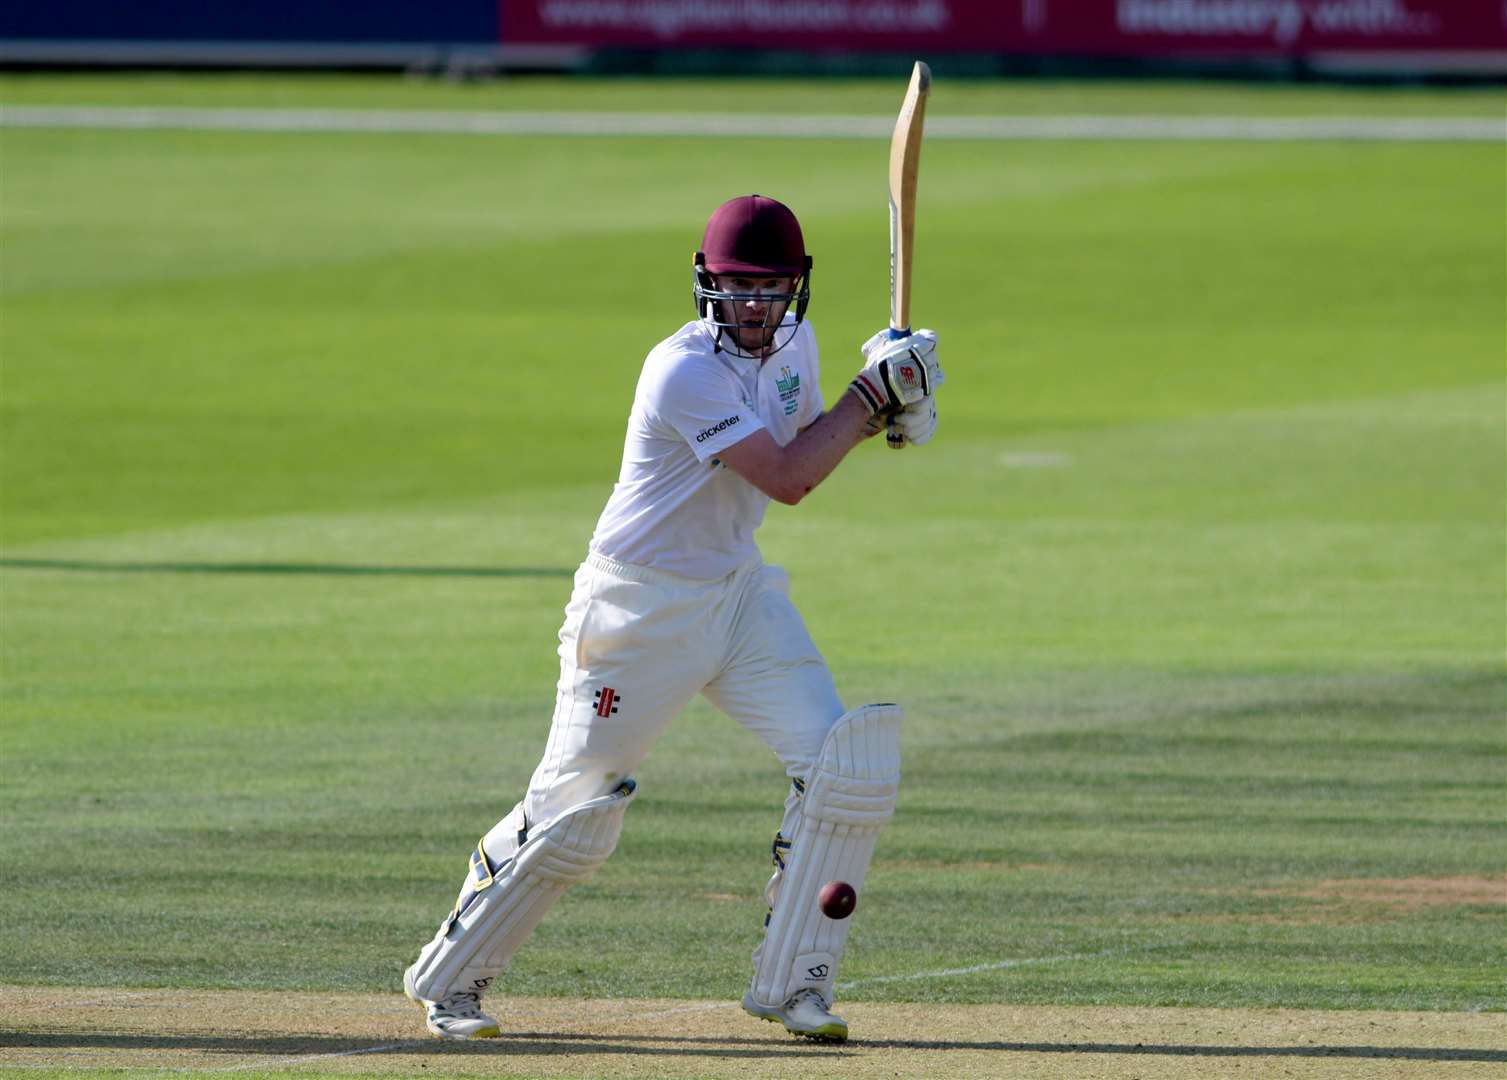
(675, 506)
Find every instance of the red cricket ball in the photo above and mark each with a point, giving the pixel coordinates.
(837, 899)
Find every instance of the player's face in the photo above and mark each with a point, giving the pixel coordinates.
(759, 312)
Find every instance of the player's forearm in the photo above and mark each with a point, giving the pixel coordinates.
(811, 456)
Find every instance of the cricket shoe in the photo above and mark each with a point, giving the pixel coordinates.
(805, 1014)
(458, 1016)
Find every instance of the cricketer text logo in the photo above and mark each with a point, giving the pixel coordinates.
(721, 425)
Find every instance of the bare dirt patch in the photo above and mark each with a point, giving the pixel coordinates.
(1352, 901)
(69, 1030)
(936, 865)
(1411, 894)
(1361, 900)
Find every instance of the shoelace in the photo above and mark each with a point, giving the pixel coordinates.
(465, 1006)
(814, 995)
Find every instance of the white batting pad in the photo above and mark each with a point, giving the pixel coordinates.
(849, 797)
(503, 904)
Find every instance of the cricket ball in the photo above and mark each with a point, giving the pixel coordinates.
(837, 899)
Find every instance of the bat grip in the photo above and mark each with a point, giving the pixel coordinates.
(893, 439)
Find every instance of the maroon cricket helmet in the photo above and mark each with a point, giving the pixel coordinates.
(753, 234)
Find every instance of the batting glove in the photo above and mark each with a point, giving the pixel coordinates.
(898, 372)
(916, 423)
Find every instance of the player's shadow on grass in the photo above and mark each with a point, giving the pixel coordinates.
(294, 569)
(293, 1046)
(1403, 1053)
(1398, 1053)
(561, 1043)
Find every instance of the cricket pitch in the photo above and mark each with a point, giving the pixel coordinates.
(73, 1030)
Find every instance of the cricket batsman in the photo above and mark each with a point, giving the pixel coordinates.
(674, 600)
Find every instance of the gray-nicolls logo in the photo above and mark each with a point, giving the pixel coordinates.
(818, 972)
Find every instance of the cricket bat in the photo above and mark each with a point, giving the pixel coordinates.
(905, 164)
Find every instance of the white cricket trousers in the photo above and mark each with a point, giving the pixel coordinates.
(638, 644)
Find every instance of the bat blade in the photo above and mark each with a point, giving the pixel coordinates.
(905, 167)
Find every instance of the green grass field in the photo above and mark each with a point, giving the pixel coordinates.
(1196, 603)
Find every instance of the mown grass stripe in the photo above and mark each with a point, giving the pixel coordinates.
(662, 125)
(105, 566)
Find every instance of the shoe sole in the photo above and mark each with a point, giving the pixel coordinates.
(493, 1032)
(828, 1034)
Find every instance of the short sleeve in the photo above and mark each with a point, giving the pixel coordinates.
(814, 405)
(703, 404)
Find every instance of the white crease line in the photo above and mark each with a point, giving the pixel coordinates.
(704, 1006)
(652, 124)
(1000, 965)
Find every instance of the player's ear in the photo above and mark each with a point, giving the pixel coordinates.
(704, 283)
(803, 291)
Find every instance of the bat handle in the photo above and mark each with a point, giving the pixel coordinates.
(892, 438)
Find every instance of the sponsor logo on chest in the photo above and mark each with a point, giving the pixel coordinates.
(789, 384)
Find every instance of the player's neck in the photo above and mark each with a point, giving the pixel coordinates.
(734, 348)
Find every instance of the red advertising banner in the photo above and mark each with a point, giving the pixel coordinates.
(911, 26)
(1172, 27)
(1083, 27)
